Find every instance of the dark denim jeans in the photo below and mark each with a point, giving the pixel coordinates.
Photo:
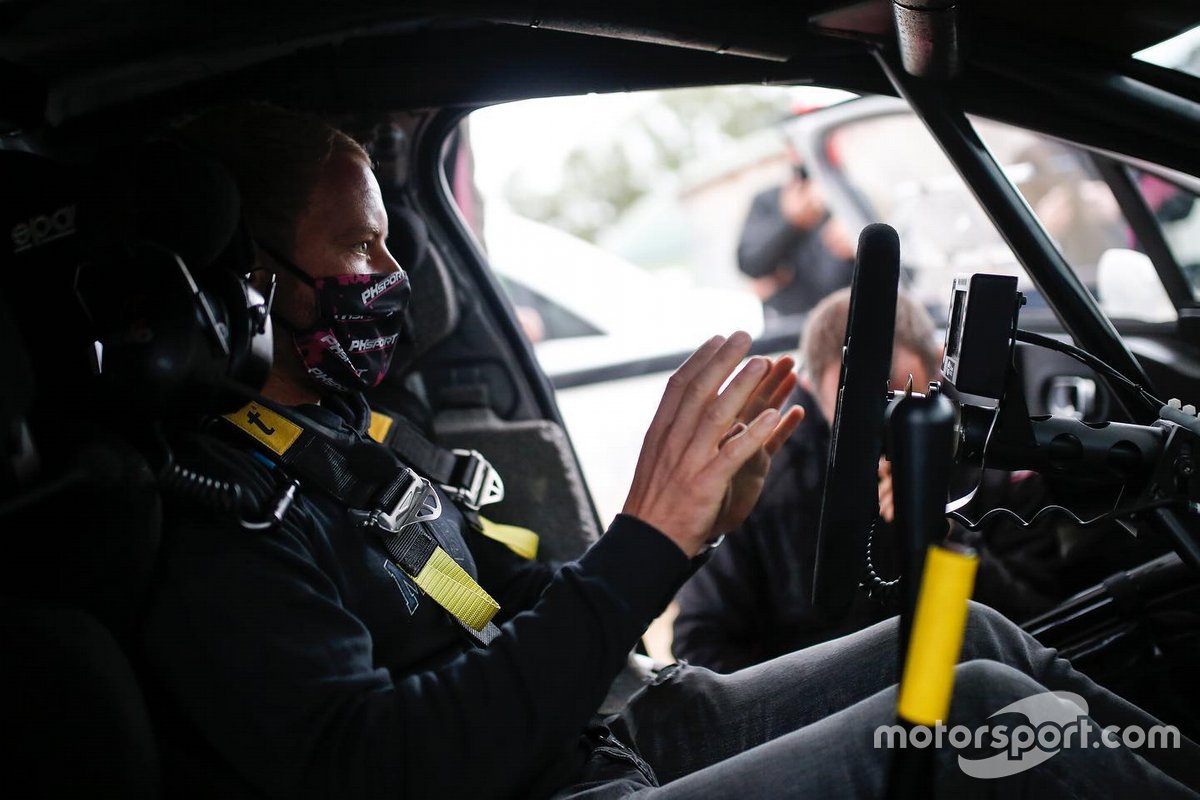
(804, 725)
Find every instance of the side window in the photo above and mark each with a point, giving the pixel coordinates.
(627, 229)
(1065, 191)
(541, 318)
(613, 223)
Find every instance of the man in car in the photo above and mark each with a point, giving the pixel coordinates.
(752, 602)
(299, 661)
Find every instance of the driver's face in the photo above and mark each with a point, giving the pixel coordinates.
(341, 232)
(344, 227)
(904, 363)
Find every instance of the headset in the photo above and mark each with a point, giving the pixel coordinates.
(133, 268)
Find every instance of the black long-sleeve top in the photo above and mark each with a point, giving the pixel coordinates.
(770, 244)
(307, 665)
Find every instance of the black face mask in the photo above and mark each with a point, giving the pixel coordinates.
(359, 320)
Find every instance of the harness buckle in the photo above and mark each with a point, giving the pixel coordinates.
(478, 484)
(418, 501)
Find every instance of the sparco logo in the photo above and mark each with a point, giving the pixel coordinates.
(377, 289)
(43, 229)
(363, 345)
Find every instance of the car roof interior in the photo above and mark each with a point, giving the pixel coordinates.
(63, 62)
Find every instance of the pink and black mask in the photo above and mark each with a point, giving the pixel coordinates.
(359, 321)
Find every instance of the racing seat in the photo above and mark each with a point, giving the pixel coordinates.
(544, 489)
(79, 503)
(73, 709)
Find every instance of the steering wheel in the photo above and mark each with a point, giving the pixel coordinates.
(850, 500)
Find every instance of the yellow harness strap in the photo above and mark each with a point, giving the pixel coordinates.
(379, 427)
(521, 541)
(439, 576)
(454, 590)
(937, 635)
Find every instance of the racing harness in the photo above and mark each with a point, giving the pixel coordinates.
(395, 501)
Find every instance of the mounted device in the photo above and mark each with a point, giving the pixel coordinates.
(1149, 469)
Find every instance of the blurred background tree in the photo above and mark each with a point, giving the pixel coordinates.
(600, 183)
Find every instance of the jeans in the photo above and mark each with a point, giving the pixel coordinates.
(804, 725)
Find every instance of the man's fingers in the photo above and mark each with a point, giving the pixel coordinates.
(740, 448)
(786, 427)
(887, 504)
(650, 459)
(696, 397)
(783, 391)
(722, 412)
(737, 428)
(673, 395)
(771, 391)
(887, 501)
(688, 371)
(722, 364)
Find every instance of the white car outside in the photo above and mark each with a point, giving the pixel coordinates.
(635, 313)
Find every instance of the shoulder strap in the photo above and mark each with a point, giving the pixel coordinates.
(521, 541)
(465, 475)
(401, 506)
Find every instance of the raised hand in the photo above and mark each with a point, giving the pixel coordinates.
(690, 457)
(772, 391)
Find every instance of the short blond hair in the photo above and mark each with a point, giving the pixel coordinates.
(825, 333)
(274, 156)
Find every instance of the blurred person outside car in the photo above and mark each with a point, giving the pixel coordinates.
(792, 247)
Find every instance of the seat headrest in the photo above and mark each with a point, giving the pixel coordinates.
(165, 193)
(41, 218)
(38, 211)
(56, 214)
(433, 312)
(92, 257)
(408, 237)
(17, 396)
